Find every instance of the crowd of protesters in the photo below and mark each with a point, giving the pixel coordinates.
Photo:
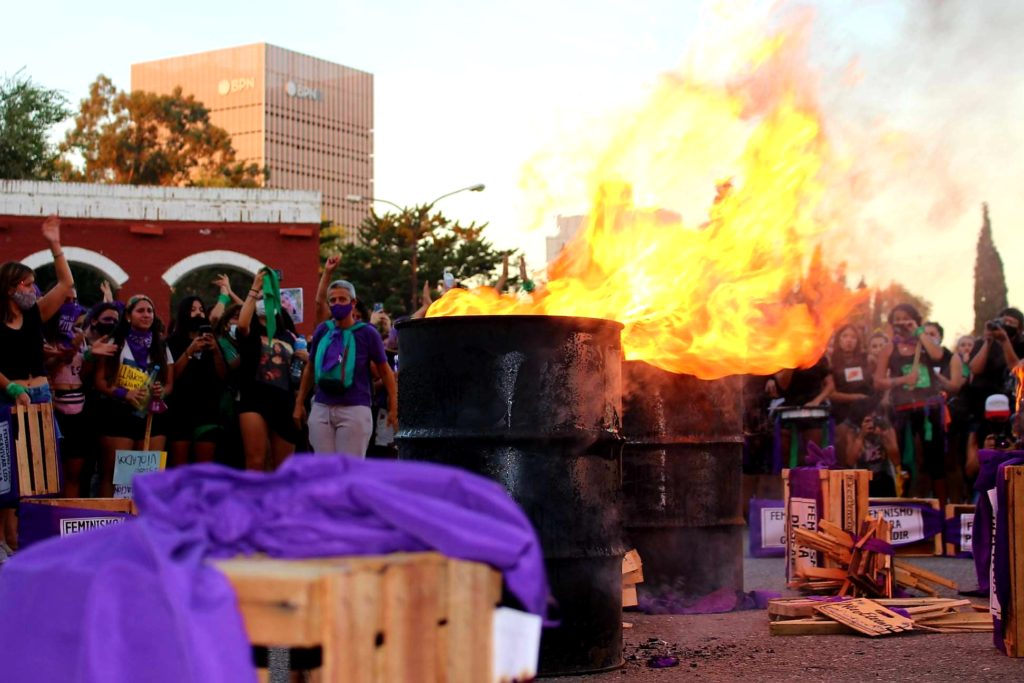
(897, 402)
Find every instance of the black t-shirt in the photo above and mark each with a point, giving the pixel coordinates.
(266, 365)
(198, 388)
(806, 383)
(993, 377)
(21, 350)
(852, 374)
(927, 386)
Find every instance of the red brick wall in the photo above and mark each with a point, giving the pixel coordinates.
(146, 257)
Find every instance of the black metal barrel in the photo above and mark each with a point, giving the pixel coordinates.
(533, 402)
(682, 480)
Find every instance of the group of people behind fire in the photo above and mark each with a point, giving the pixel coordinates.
(905, 407)
(235, 382)
(230, 381)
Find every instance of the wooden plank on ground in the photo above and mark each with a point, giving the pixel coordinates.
(808, 627)
(867, 617)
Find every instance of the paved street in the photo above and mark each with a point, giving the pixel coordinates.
(736, 646)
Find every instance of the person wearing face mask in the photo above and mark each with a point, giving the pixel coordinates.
(23, 376)
(123, 383)
(344, 356)
(905, 368)
(199, 374)
(65, 355)
(266, 394)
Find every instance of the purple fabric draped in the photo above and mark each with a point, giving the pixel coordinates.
(981, 543)
(67, 314)
(138, 601)
(1001, 550)
(821, 458)
(139, 343)
(953, 534)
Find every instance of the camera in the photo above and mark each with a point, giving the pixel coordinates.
(996, 324)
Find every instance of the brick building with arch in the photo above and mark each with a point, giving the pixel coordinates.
(146, 239)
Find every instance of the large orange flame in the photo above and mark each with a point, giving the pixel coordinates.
(744, 292)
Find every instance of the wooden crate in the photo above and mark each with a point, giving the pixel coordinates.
(43, 518)
(1013, 614)
(36, 451)
(125, 505)
(924, 548)
(844, 501)
(955, 510)
(392, 618)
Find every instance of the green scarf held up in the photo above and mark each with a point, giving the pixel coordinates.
(271, 300)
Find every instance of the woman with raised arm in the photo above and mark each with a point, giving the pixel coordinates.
(23, 377)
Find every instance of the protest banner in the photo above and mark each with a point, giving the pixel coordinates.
(767, 528)
(959, 530)
(41, 519)
(127, 464)
(916, 524)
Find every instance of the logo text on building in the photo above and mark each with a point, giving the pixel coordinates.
(301, 91)
(232, 85)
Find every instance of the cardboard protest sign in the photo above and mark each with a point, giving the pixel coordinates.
(867, 617)
(127, 464)
(767, 528)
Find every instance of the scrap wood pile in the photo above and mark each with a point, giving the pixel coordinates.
(632, 574)
(885, 616)
(861, 566)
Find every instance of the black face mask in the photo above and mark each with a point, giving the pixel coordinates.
(104, 329)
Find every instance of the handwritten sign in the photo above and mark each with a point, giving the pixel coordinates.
(803, 514)
(127, 464)
(130, 379)
(867, 617)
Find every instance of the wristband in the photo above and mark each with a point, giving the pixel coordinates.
(223, 299)
(918, 332)
(528, 286)
(15, 390)
(121, 393)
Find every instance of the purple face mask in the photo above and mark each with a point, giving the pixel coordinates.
(341, 311)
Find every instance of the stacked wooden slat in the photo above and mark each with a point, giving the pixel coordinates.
(805, 616)
(632, 574)
(857, 568)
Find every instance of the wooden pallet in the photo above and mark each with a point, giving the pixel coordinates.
(844, 495)
(378, 619)
(36, 451)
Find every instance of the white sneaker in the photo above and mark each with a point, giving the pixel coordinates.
(3, 553)
(4, 548)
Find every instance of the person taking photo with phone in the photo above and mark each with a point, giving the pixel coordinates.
(199, 375)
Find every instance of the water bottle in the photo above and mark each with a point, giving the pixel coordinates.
(297, 363)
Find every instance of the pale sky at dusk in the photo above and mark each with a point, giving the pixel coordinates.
(467, 92)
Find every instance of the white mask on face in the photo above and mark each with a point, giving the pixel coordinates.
(261, 308)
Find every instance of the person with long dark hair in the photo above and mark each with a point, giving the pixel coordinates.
(199, 374)
(23, 313)
(266, 394)
(140, 372)
(852, 374)
(905, 368)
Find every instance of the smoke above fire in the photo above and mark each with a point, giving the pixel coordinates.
(721, 204)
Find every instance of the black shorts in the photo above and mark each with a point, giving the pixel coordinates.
(77, 435)
(117, 419)
(274, 405)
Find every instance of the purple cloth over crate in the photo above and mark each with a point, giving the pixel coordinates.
(139, 601)
(952, 533)
(1001, 550)
(758, 508)
(821, 458)
(981, 542)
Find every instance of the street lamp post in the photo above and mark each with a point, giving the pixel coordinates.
(421, 216)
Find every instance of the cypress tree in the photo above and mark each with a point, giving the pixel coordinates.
(989, 281)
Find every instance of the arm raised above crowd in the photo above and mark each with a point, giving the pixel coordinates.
(51, 302)
(323, 311)
(249, 306)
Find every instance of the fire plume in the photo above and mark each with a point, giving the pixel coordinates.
(743, 289)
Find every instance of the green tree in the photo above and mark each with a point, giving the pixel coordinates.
(989, 280)
(380, 263)
(27, 113)
(141, 138)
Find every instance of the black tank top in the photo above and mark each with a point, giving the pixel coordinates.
(21, 350)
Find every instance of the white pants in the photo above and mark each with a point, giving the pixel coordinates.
(340, 429)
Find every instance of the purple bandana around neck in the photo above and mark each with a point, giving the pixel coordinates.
(138, 344)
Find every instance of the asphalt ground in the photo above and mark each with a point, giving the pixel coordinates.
(737, 646)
